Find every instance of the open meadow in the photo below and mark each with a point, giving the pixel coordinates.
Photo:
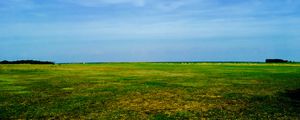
(150, 91)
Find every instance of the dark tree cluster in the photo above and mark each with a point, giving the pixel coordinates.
(276, 61)
(26, 62)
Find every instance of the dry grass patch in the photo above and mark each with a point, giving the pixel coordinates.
(167, 102)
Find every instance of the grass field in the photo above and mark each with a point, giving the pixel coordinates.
(149, 91)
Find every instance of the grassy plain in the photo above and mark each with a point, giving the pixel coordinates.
(149, 91)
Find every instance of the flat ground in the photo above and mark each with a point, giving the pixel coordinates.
(150, 91)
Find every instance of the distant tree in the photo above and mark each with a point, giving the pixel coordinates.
(4, 62)
(276, 61)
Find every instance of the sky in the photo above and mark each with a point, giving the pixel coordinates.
(149, 30)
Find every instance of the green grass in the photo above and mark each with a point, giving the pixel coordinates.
(158, 91)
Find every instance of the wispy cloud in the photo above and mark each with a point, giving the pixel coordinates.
(182, 29)
(94, 3)
(11, 5)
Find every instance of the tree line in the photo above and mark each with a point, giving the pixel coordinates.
(26, 62)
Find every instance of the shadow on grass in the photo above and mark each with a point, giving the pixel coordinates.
(293, 94)
(282, 105)
(293, 97)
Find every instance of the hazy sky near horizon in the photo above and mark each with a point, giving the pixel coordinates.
(149, 30)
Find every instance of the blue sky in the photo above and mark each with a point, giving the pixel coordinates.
(149, 30)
